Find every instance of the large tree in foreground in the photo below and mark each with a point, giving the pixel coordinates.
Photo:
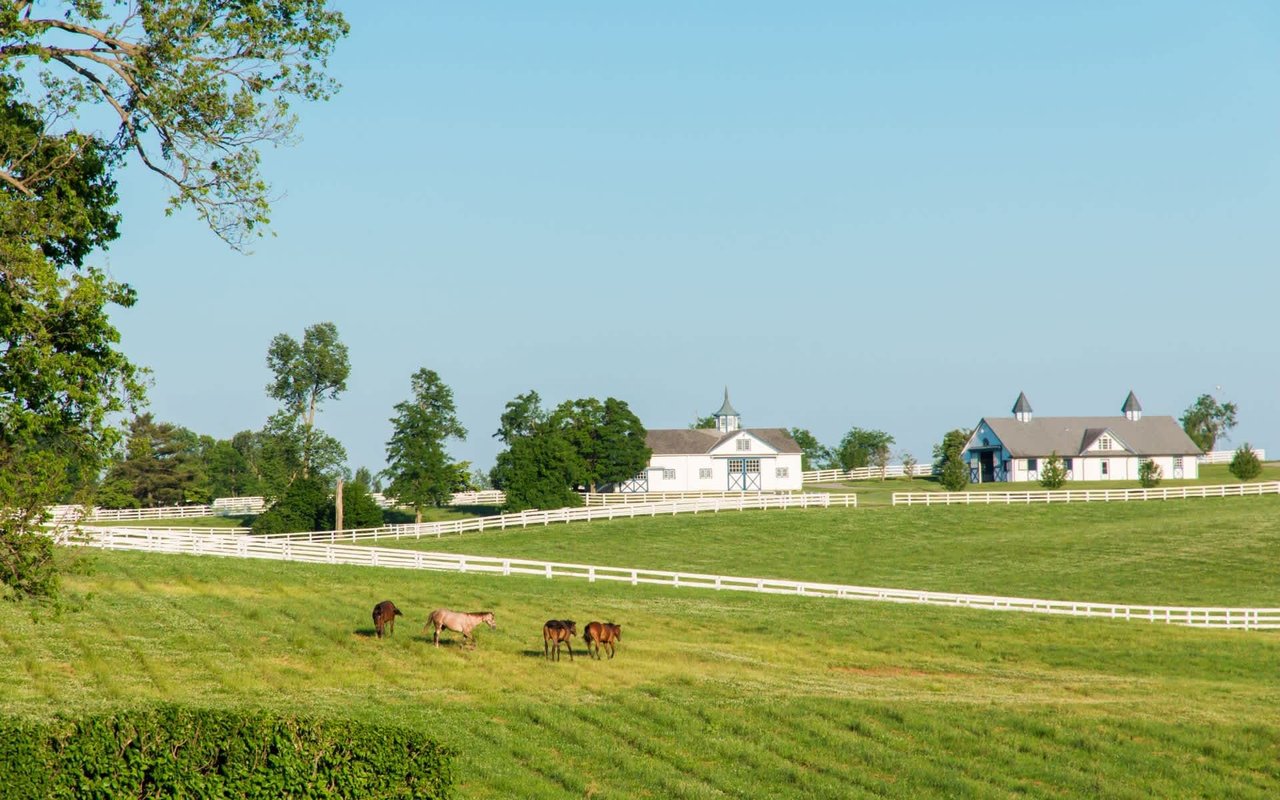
(1206, 421)
(193, 88)
(62, 378)
(419, 469)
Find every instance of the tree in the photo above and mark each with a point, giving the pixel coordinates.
(949, 461)
(522, 416)
(860, 447)
(813, 454)
(539, 471)
(1149, 474)
(307, 374)
(419, 470)
(880, 460)
(1206, 420)
(161, 466)
(359, 509)
(63, 381)
(1245, 464)
(608, 439)
(702, 423)
(908, 465)
(1054, 474)
(225, 469)
(307, 505)
(194, 87)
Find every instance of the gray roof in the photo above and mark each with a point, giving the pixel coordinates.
(726, 410)
(1071, 436)
(1131, 403)
(1022, 406)
(685, 441)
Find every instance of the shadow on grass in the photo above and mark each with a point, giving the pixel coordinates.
(396, 516)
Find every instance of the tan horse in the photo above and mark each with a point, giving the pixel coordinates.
(384, 614)
(457, 621)
(555, 632)
(602, 633)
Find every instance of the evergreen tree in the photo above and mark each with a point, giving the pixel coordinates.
(1149, 474)
(1054, 474)
(419, 469)
(1245, 464)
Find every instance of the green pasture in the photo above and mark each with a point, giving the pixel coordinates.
(1211, 551)
(711, 694)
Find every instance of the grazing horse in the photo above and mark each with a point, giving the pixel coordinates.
(458, 621)
(602, 633)
(555, 632)
(384, 614)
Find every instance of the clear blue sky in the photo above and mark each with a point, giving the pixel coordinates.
(894, 216)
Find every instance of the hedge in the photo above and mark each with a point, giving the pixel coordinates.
(175, 751)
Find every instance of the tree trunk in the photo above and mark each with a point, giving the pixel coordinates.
(418, 517)
(337, 507)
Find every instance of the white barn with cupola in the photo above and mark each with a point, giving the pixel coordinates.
(1015, 449)
(726, 458)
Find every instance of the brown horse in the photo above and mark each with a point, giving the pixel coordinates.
(384, 614)
(457, 621)
(555, 632)
(602, 633)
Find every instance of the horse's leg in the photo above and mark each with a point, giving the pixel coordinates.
(569, 645)
(546, 648)
(435, 637)
(610, 649)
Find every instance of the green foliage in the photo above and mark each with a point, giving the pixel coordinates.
(307, 374)
(305, 506)
(1053, 475)
(173, 751)
(701, 423)
(521, 417)
(954, 475)
(909, 465)
(62, 379)
(1149, 474)
(539, 471)
(359, 510)
(162, 464)
(1245, 464)
(195, 87)
(419, 469)
(1206, 420)
(813, 454)
(860, 448)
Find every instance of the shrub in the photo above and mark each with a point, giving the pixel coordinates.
(172, 751)
(955, 475)
(1245, 464)
(908, 466)
(1053, 476)
(303, 508)
(1149, 474)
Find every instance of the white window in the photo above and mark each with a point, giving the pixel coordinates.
(744, 444)
(668, 474)
(1177, 462)
(1104, 443)
(704, 472)
(781, 472)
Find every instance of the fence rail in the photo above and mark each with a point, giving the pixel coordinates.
(864, 473)
(624, 498)
(1225, 456)
(524, 519)
(1082, 495)
(312, 552)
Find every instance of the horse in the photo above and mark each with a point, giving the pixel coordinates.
(457, 621)
(557, 631)
(384, 614)
(599, 633)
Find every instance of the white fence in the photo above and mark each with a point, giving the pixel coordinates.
(864, 473)
(524, 519)
(311, 552)
(1081, 495)
(623, 498)
(1225, 456)
(488, 497)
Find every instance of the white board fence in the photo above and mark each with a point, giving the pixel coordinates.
(1082, 495)
(864, 473)
(524, 519)
(1225, 456)
(274, 549)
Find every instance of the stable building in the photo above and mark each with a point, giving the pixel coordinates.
(726, 458)
(1016, 448)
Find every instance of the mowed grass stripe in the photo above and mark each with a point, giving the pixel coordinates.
(1210, 552)
(710, 695)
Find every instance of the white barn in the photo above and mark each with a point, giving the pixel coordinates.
(1091, 448)
(726, 458)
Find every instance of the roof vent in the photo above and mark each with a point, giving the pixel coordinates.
(1132, 408)
(1022, 408)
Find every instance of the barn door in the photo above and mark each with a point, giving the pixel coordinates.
(744, 474)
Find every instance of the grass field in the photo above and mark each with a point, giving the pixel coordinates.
(1214, 551)
(711, 695)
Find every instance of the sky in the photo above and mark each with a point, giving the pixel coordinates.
(891, 216)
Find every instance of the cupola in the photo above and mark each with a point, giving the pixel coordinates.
(1022, 408)
(1132, 408)
(726, 418)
